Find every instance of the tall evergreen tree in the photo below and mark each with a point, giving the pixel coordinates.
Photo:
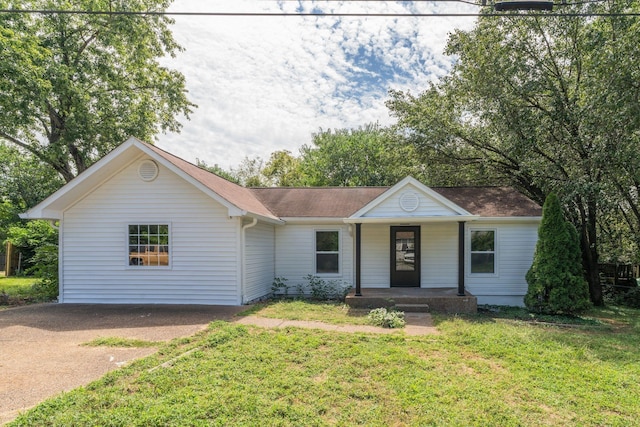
(556, 279)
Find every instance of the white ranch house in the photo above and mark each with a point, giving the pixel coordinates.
(144, 226)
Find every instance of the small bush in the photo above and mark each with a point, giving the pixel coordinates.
(632, 298)
(628, 298)
(323, 290)
(386, 318)
(279, 287)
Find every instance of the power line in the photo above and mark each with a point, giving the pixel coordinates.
(321, 14)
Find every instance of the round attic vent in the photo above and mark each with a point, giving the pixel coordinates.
(148, 170)
(409, 201)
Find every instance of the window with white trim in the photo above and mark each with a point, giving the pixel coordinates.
(327, 252)
(483, 251)
(148, 245)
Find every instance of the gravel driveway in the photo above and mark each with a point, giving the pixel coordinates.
(41, 355)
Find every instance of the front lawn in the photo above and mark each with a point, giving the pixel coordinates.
(18, 290)
(492, 369)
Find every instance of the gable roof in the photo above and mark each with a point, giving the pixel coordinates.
(238, 195)
(343, 202)
(239, 200)
(491, 201)
(320, 202)
(274, 203)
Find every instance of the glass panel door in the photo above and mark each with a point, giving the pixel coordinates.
(405, 256)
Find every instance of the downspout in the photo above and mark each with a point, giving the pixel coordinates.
(244, 258)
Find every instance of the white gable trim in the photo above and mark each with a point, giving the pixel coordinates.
(421, 187)
(410, 219)
(108, 166)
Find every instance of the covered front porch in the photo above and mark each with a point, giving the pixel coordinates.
(433, 300)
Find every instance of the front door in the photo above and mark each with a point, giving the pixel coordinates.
(405, 257)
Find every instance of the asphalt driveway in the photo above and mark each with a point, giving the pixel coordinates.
(41, 353)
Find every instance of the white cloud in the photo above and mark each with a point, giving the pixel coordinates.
(267, 83)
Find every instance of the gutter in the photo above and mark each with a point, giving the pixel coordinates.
(244, 258)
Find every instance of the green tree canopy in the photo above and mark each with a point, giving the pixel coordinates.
(545, 104)
(74, 86)
(368, 156)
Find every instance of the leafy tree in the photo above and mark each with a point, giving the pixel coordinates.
(545, 104)
(38, 242)
(284, 170)
(24, 180)
(217, 170)
(556, 281)
(368, 156)
(76, 85)
(249, 173)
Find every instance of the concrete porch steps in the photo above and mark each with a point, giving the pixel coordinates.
(431, 300)
(413, 308)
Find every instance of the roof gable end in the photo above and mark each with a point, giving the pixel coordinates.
(238, 200)
(410, 198)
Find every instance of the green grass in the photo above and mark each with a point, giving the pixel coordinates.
(335, 313)
(18, 291)
(483, 370)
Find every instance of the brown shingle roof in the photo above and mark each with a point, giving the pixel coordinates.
(342, 202)
(491, 201)
(237, 195)
(331, 202)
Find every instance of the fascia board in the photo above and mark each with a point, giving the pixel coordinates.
(410, 219)
(97, 172)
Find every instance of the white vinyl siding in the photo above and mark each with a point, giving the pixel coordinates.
(204, 257)
(375, 252)
(439, 255)
(515, 245)
(259, 261)
(296, 252)
(427, 206)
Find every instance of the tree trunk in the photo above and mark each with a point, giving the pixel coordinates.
(590, 262)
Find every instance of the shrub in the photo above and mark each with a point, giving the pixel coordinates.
(324, 290)
(279, 287)
(632, 298)
(556, 280)
(386, 318)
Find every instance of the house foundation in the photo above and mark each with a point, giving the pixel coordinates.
(432, 300)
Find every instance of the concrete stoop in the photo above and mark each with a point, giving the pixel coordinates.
(415, 300)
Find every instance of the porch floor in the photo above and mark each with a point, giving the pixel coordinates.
(435, 300)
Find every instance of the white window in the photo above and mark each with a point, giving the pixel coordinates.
(483, 251)
(148, 245)
(327, 252)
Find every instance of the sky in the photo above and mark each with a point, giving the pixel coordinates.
(264, 84)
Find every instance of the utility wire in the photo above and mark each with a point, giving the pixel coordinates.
(318, 15)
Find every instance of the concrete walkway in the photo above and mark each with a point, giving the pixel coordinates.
(417, 324)
(41, 351)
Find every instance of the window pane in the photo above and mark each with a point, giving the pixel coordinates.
(482, 241)
(149, 244)
(327, 241)
(482, 263)
(327, 263)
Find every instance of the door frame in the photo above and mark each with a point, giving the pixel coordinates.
(399, 278)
